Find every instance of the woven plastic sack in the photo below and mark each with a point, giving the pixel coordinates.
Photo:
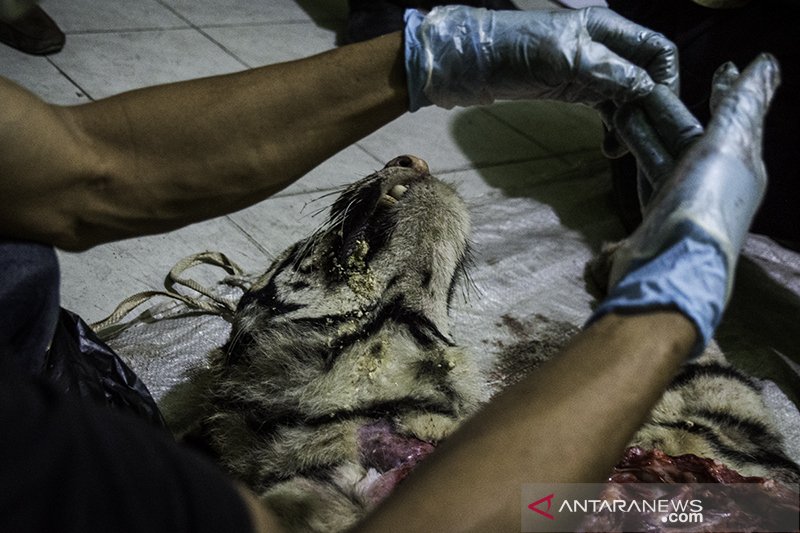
(169, 339)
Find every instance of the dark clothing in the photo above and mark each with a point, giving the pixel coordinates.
(29, 295)
(33, 33)
(70, 463)
(367, 19)
(706, 38)
(54, 344)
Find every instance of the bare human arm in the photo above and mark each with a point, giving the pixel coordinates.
(155, 159)
(568, 422)
(158, 158)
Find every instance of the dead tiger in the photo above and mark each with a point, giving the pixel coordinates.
(341, 374)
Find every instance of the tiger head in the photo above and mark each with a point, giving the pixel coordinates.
(396, 243)
(346, 334)
(353, 321)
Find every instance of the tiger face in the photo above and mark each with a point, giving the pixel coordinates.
(344, 343)
(395, 246)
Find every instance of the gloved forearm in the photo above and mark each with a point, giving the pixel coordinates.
(685, 252)
(718, 182)
(460, 56)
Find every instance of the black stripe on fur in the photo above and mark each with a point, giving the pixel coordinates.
(422, 329)
(267, 296)
(692, 372)
(264, 423)
(766, 458)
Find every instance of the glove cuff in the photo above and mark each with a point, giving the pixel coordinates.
(713, 199)
(690, 276)
(419, 63)
(447, 56)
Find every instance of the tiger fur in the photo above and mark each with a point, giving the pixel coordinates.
(341, 375)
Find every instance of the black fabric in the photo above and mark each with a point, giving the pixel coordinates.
(71, 463)
(706, 38)
(71, 466)
(368, 19)
(80, 364)
(33, 33)
(29, 293)
(77, 361)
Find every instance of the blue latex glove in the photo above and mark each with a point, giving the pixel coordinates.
(684, 254)
(460, 56)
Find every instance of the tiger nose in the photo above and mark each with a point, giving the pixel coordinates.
(409, 161)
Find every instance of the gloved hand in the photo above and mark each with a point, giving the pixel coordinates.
(655, 162)
(457, 55)
(705, 193)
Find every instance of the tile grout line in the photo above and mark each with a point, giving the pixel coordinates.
(370, 154)
(187, 26)
(269, 255)
(125, 30)
(223, 48)
(70, 79)
(527, 137)
(199, 30)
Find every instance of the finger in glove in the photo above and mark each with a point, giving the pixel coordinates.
(658, 129)
(724, 78)
(613, 147)
(654, 160)
(648, 49)
(738, 123)
(675, 124)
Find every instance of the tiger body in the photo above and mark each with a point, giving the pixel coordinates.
(711, 409)
(341, 375)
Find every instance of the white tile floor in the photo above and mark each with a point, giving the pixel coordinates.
(117, 45)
